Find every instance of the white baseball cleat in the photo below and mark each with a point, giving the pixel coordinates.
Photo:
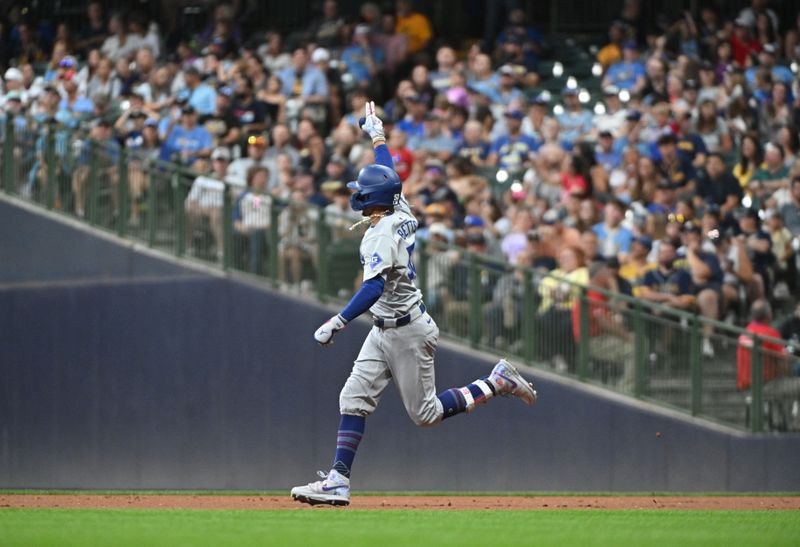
(333, 489)
(508, 381)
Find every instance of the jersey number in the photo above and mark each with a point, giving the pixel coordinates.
(412, 270)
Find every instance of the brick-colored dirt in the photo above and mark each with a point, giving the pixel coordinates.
(133, 501)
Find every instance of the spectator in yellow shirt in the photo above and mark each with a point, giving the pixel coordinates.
(612, 52)
(637, 264)
(414, 25)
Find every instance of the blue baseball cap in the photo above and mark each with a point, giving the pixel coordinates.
(644, 241)
(516, 114)
(473, 221)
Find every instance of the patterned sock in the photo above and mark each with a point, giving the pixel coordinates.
(463, 399)
(351, 429)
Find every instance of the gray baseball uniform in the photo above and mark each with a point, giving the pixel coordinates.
(405, 353)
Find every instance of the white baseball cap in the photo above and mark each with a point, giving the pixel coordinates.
(13, 75)
(320, 55)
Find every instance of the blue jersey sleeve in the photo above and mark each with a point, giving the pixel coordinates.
(383, 156)
(367, 295)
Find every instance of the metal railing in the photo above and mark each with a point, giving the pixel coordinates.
(645, 350)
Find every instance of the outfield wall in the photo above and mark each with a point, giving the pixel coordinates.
(212, 383)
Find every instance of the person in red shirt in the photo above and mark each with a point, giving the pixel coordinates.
(743, 44)
(610, 340)
(403, 157)
(773, 354)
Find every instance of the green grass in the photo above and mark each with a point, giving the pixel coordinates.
(461, 493)
(350, 528)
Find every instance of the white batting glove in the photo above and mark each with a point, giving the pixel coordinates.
(371, 123)
(324, 334)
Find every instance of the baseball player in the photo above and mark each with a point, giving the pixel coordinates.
(403, 340)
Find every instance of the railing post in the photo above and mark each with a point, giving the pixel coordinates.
(475, 319)
(152, 206)
(323, 244)
(274, 237)
(52, 166)
(122, 192)
(91, 209)
(757, 385)
(583, 343)
(8, 155)
(639, 352)
(528, 318)
(696, 364)
(422, 265)
(227, 229)
(178, 197)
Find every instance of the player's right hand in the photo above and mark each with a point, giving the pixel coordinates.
(324, 334)
(371, 123)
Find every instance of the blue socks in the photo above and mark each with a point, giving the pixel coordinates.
(351, 429)
(463, 399)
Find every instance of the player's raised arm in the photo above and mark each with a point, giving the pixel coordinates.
(373, 125)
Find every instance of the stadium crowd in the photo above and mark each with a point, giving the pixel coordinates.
(680, 176)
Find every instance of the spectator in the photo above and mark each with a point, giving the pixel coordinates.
(614, 238)
(677, 169)
(297, 243)
(252, 216)
(790, 212)
(304, 81)
(434, 139)
(402, 157)
(445, 67)
(513, 151)
(326, 32)
(105, 158)
(611, 53)
(413, 123)
(202, 97)
(275, 59)
(414, 25)
(750, 160)
(361, 58)
(186, 141)
(575, 121)
(558, 294)
(256, 157)
(773, 354)
(249, 111)
(718, 186)
(637, 263)
(628, 74)
(666, 284)
(93, 33)
(205, 201)
(610, 341)
(771, 177)
(120, 45)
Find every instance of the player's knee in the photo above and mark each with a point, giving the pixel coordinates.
(430, 416)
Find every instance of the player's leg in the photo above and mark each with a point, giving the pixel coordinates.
(410, 354)
(358, 399)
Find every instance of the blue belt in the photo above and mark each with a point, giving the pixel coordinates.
(400, 321)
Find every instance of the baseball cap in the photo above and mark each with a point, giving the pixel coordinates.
(606, 133)
(691, 84)
(551, 216)
(320, 55)
(151, 122)
(476, 238)
(14, 96)
(182, 96)
(540, 100)
(438, 229)
(644, 241)
(361, 29)
(226, 91)
(338, 159)
(332, 186)
(473, 221)
(13, 75)
(667, 138)
(770, 49)
(514, 113)
(690, 227)
(633, 116)
(610, 90)
(568, 90)
(612, 262)
(630, 44)
(507, 70)
(188, 109)
(434, 163)
(415, 98)
(67, 62)
(221, 153)
(137, 114)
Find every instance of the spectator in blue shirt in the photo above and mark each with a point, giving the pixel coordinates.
(766, 59)
(202, 97)
(474, 148)
(527, 36)
(675, 167)
(303, 79)
(362, 59)
(614, 238)
(575, 121)
(512, 151)
(187, 142)
(605, 154)
(629, 73)
(413, 124)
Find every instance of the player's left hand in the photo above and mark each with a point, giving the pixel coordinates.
(371, 123)
(324, 334)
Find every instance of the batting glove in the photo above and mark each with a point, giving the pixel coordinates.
(324, 334)
(371, 123)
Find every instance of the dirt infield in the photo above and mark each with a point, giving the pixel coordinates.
(133, 501)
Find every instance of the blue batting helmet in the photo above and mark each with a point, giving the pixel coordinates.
(377, 185)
